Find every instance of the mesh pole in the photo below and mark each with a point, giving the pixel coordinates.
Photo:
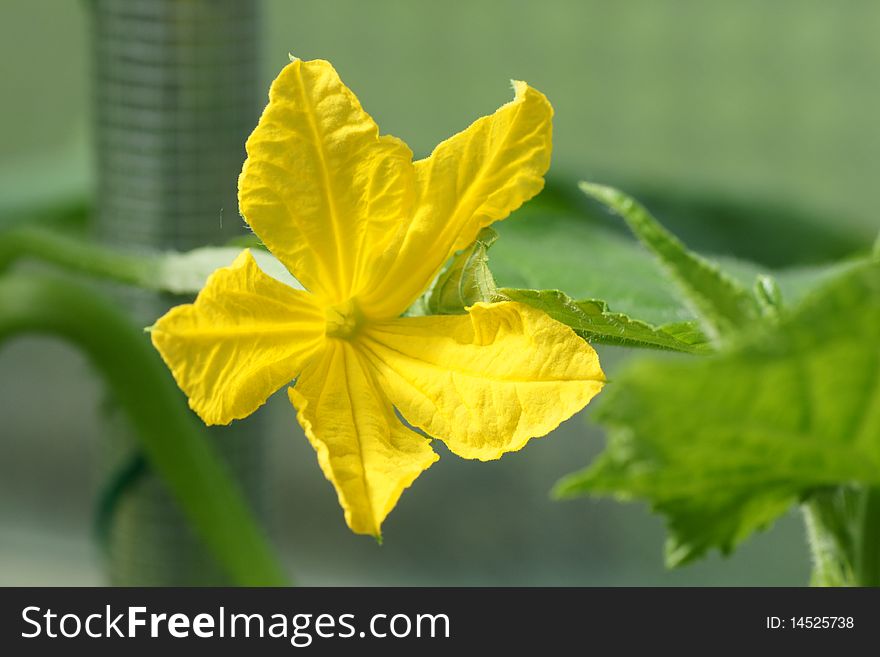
(175, 84)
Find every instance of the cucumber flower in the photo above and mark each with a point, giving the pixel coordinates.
(365, 230)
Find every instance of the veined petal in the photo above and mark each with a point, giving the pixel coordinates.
(477, 177)
(485, 382)
(363, 449)
(245, 336)
(320, 187)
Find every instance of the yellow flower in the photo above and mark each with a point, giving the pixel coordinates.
(365, 230)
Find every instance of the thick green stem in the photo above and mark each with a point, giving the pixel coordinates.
(868, 556)
(829, 568)
(829, 517)
(77, 255)
(174, 443)
(843, 529)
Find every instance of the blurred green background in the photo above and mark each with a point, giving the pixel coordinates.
(766, 108)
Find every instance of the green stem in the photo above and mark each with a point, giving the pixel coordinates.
(868, 557)
(174, 443)
(829, 516)
(77, 255)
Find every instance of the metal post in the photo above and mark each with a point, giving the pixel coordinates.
(175, 97)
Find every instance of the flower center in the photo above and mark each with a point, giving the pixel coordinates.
(343, 320)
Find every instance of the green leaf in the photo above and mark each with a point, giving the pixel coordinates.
(592, 320)
(794, 283)
(723, 445)
(687, 332)
(553, 248)
(719, 300)
(548, 250)
(768, 295)
(467, 280)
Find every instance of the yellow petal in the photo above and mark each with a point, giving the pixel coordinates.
(485, 382)
(323, 191)
(363, 449)
(246, 336)
(470, 180)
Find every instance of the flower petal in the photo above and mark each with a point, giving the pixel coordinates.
(363, 449)
(477, 177)
(486, 382)
(320, 187)
(245, 336)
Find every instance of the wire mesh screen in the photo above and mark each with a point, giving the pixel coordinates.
(175, 97)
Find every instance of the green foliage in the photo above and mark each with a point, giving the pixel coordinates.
(592, 320)
(723, 445)
(541, 249)
(557, 242)
(768, 294)
(545, 248)
(791, 284)
(720, 302)
(467, 280)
